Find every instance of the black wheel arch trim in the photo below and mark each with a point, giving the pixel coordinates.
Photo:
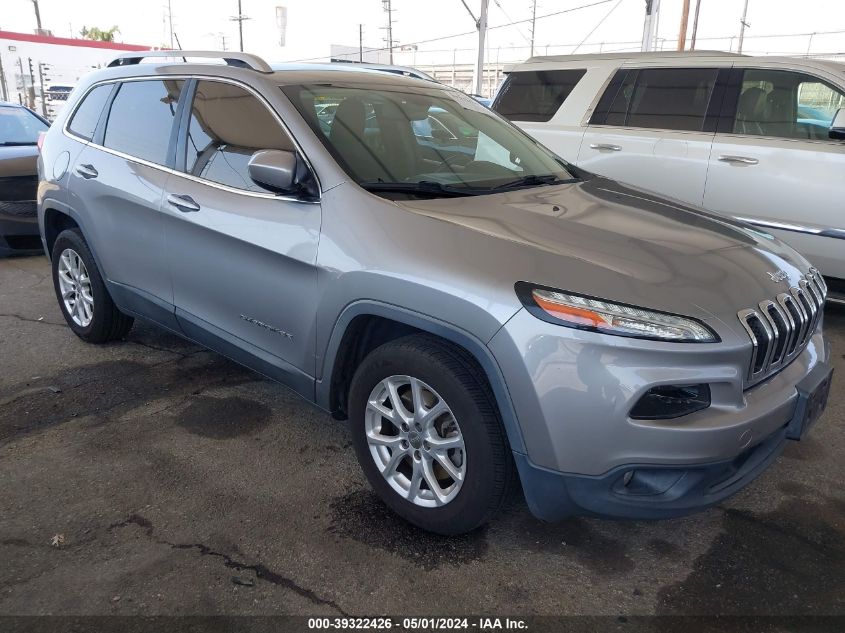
(65, 209)
(466, 340)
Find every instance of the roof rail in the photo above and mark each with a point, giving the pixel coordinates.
(629, 55)
(239, 60)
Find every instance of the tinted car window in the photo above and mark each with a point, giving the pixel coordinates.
(664, 98)
(228, 125)
(19, 126)
(141, 118)
(84, 120)
(785, 104)
(535, 95)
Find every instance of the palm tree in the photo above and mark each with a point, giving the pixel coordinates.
(101, 35)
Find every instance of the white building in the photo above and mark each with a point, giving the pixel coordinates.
(30, 64)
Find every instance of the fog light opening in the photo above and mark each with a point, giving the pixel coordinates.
(671, 401)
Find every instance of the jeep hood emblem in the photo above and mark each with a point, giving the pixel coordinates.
(778, 275)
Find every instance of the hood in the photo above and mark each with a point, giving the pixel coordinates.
(601, 238)
(18, 160)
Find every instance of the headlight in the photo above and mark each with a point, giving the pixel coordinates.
(597, 315)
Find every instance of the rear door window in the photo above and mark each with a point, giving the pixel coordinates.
(663, 98)
(84, 120)
(535, 95)
(141, 119)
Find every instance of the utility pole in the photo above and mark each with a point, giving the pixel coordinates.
(682, 34)
(170, 19)
(240, 20)
(5, 90)
(482, 33)
(37, 15)
(31, 91)
(241, 25)
(533, 23)
(43, 94)
(360, 42)
(388, 8)
(481, 25)
(695, 24)
(652, 13)
(743, 22)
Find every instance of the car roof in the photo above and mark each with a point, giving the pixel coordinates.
(674, 58)
(249, 69)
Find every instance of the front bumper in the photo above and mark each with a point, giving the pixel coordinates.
(19, 228)
(653, 492)
(572, 392)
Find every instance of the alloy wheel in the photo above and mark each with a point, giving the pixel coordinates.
(415, 441)
(75, 286)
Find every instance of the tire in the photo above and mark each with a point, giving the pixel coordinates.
(447, 374)
(100, 321)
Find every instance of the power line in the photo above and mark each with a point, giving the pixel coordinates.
(507, 17)
(489, 28)
(637, 43)
(595, 28)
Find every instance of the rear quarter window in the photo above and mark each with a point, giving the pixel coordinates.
(535, 95)
(84, 120)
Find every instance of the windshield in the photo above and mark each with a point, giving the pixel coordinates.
(423, 141)
(19, 126)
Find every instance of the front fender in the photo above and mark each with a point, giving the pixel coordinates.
(472, 344)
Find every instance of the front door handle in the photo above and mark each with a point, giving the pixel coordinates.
(739, 160)
(605, 147)
(87, 171)
(185, 204)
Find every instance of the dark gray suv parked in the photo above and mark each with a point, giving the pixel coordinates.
(478, 309)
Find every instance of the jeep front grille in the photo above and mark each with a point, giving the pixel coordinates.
(780, 328)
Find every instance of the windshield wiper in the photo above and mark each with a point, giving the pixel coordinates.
(533, 181)
(17, 143)
(423, 187)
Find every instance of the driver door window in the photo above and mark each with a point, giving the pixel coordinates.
(228, 125)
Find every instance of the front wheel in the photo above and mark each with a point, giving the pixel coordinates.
(428, 436)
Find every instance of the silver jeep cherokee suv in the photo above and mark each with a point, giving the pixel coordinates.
(405, 258)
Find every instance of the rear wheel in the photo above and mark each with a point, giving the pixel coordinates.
(82, 294)
(428, 435)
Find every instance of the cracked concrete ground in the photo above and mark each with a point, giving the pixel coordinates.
(184, 484)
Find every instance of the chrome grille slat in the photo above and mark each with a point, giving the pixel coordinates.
(780, 328)
(820, 280)
(787, 303)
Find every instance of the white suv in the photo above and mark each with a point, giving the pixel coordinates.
(757, 138)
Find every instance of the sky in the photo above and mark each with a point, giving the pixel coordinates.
(314, 25)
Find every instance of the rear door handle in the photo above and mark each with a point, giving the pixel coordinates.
(739, 160)
(185, 204)
(87, 171)
(606, 147)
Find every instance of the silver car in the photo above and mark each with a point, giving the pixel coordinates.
(479, 310)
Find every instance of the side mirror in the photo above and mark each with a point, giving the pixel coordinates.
(837, 126)
(273, 169)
